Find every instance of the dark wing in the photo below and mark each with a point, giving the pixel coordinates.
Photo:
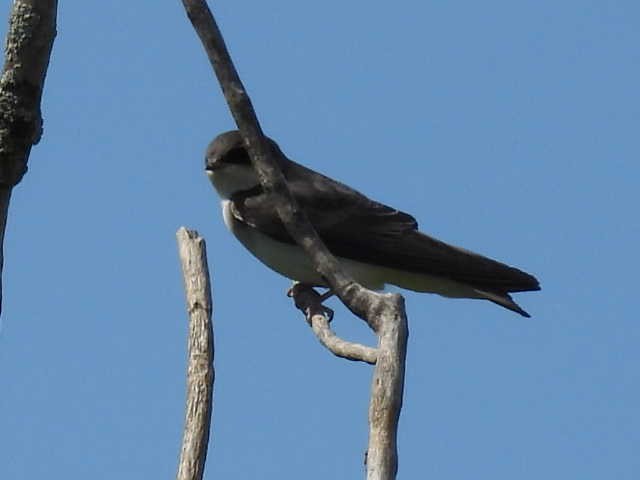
(353, 226)
(340, 215)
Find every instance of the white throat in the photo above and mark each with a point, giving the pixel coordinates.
(232, 178)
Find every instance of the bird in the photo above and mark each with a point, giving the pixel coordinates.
(377, 244)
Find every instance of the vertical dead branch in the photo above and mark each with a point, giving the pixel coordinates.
(32, 28)
(387, 391)
(385, 314)
(200, 371)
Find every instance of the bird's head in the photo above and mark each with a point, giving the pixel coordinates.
(228, 165)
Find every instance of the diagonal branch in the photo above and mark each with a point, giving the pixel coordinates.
(271, 178)
(384, 313)
(32, 28)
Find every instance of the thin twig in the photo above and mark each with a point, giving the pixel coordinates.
(200, 371)
(32, 28)
(318, 317)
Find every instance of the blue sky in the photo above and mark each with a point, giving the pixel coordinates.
(510, 128)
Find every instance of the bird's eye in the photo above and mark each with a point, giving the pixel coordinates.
(237, 156)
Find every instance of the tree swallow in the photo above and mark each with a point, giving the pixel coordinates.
(375, 243)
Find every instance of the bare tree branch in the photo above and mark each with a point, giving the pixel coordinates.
(387, 391)
(200, 371)
(32, 28)
(384, 313)
(318, 317)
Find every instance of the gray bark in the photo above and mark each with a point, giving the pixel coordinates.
(200, 371)
(387, 391)
(32, 29)
(318, 317)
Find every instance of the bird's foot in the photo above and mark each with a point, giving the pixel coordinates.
(309, 301)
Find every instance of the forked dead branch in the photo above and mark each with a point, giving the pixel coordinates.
(384, 313)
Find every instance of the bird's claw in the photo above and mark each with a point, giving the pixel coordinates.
(309, 301)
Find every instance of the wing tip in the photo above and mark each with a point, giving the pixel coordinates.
(527, 284)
